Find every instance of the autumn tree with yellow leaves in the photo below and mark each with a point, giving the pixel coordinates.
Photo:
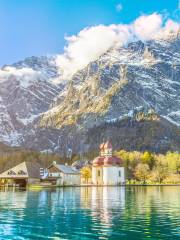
(86, 173)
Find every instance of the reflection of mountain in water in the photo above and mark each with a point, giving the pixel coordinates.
(91, 213)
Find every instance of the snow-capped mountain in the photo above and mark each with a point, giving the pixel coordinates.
(27, 89)
(121, 80)
(44, 113)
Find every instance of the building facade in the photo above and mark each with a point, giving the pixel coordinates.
(22, 174)
(107, 169)
(63, 175)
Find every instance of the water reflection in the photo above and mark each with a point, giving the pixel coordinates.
(91, 213)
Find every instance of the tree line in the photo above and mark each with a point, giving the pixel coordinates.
(149, 168)
(11, 159)
(140, 167)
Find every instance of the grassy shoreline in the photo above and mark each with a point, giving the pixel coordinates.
(176, 184)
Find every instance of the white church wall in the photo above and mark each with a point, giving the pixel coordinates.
(122, 175)
(93, 175)
(110, 176)
(97, 175)
(113, 175)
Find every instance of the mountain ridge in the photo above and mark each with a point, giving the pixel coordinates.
(117, 84)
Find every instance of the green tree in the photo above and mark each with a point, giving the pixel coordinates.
(142, 172)
(173, 161)
(148, 158)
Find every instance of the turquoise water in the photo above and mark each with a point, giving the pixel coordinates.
(132, 213)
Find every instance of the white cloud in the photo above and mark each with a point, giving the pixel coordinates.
(25, 76)
(92, 42)
(119, 7)
(147, 26)
(88, 45)
(169, 27)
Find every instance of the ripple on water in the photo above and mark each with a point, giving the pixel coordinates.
(91, 213)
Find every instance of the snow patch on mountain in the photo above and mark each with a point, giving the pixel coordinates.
(27, 89)
(111, 88)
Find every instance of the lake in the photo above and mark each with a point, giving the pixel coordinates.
(132, 213)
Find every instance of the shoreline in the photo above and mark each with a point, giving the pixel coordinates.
(145, 185)
(131, 185)
(40, 187)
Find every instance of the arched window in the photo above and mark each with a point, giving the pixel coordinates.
(21, 172)
(11, 172)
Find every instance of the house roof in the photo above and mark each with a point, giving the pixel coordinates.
(23, 170)
(33, 169)
(65, 169)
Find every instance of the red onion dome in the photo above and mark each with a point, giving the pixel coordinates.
(112, 161)
(107, 145)
(99, 161)
(101, 146)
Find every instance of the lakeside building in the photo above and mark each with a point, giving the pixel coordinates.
(106, 168)
(27, 173)
(21, 175)
(63, 175)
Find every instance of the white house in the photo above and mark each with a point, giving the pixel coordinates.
(107, 169)
(63, 175)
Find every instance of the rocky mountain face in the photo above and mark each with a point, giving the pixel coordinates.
(122, 80)
(100, 101)
(26, 91)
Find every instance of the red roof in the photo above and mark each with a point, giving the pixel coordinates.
(107, 145)
(101, 146)
(112, 161)
(99, 161)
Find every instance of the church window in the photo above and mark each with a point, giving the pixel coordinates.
(99, 173)
(119, 173)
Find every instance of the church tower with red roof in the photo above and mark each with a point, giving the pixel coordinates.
(107, 169)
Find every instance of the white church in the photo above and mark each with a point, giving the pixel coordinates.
(107, 169)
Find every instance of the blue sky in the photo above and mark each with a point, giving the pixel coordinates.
(38, 27)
